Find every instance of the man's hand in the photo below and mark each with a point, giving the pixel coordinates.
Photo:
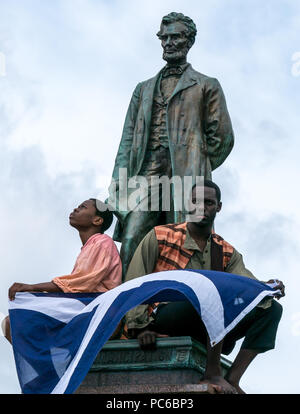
(277, 285)
(147, 339)
(18, 287)
(37, 287)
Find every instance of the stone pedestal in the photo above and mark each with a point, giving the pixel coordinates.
(175, 366)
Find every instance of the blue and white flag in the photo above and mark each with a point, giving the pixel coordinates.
(57, 336)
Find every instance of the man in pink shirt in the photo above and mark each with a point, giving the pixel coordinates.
(98, 267)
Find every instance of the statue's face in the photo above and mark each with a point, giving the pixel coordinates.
(174, 42)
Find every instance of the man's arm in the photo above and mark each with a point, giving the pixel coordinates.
(143, 263)
(145, 257)
(217, 125)
(37, 287)
(237, 267)
(138, 320)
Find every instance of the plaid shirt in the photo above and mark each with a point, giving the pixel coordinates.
(157, 252)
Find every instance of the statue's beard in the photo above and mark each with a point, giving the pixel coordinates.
(176, 56)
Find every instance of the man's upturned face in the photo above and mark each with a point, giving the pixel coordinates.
(174, 42)
(206, 202)
(84, 216)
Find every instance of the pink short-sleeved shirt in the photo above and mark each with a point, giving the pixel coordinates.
(98, 267)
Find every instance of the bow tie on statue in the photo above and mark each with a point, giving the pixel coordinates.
(172, 71)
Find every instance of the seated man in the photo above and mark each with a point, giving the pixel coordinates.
(194, 245)
(98, 267)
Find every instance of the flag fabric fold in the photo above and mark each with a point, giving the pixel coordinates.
(57, 336)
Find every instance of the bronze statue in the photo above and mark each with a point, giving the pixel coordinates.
(177, 124)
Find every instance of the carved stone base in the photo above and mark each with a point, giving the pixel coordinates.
(122, 367)
(149, 389)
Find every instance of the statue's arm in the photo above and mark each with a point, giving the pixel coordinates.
(123, 155)
(217, 125)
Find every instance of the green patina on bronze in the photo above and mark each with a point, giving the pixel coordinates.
(177, 124)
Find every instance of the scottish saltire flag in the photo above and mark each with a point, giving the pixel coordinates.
(56, 337)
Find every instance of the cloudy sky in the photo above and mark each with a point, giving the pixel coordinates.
(67, 72)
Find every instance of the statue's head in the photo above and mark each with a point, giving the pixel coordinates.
(177, 34)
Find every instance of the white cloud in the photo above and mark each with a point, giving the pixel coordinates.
(71, 68)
